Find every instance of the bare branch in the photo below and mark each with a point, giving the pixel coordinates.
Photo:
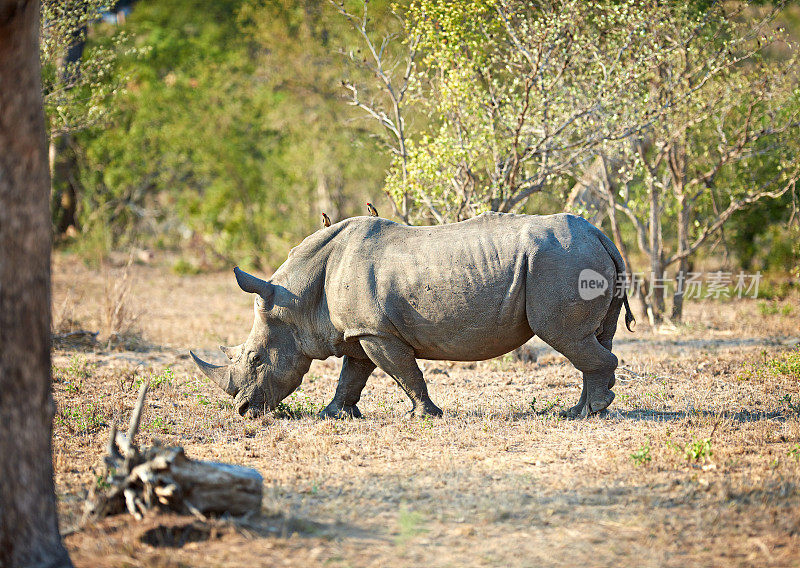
(136, 415)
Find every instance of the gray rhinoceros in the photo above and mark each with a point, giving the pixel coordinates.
(383, 294)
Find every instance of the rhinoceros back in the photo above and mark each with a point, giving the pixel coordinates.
(456, 291)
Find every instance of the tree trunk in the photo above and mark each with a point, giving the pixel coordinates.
(63, 169)
(683, 266)
(63, 163)
(28, 524)
(656, 307)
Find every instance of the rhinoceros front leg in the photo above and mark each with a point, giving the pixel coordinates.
(397, 359)
(352, 380)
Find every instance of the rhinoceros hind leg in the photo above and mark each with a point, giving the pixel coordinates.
(608, 329)
(352, 380)
(597, 365)
(397, 359)
(577, 410)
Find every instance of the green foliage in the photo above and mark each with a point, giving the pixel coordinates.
(766, 308)
(517, 96)
(409, 525)
(787, 364)
(79, 94)
(157, 380)
(297, 405)
(763, 239)
(215, 149)
(159, 424)
(642, 455)
(185, 268)
(698, 450)
(83, 419)
(791, 406)
(218, 128)
(102, 483)
(546, 407)
(72, 376)
(776, 290)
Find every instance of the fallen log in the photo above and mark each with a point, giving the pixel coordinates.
(164, 477)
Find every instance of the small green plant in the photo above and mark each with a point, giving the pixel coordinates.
(642, 455)
(156, 380)
(72, 376)
(791, 406)
(296, 405)
(546, 408)
(766, 308)
(102, 482)
(788, 364)
(409, 524)
(81, 420)
(794, 452)
(698, 450)
(776, 290)
(183, 267)
(158, 424)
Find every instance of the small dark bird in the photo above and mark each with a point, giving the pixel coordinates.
(372, 211)
(326, 221)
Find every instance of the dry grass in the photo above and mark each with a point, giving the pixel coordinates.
(698, 464)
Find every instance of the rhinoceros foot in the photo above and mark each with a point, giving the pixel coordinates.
(339, 411)
(573, 412)
(595, 406)
(424, 409)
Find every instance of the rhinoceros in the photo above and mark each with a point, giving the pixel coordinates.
(382, 294)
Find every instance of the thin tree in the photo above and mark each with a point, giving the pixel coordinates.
(512, 96)
(726, 140)
(28, 523)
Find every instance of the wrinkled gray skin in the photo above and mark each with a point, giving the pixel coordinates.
(382, 294)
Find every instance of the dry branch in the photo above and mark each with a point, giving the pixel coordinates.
(164, 477)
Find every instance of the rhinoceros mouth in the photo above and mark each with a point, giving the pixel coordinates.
(253, 404)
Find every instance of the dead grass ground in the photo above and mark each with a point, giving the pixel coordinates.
(498, 481)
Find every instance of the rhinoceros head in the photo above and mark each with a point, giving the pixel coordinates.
(270, 365)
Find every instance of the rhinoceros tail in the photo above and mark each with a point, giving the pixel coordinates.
(619, 265)
(629, 319)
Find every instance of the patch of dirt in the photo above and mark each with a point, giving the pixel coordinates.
(698, 462)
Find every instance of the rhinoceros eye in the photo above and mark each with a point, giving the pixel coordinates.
(255, 358)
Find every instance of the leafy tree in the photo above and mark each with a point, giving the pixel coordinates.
(727, 139)
(680, 114)
(516, 94)
(79, 88)
(228, 141)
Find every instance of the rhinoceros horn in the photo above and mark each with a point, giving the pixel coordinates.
(254, 285)
(232, 353)
(220, 374)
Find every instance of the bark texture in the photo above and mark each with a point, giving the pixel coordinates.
(28, 524)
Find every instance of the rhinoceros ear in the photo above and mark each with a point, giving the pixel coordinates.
(255, 285)
(232, 353)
